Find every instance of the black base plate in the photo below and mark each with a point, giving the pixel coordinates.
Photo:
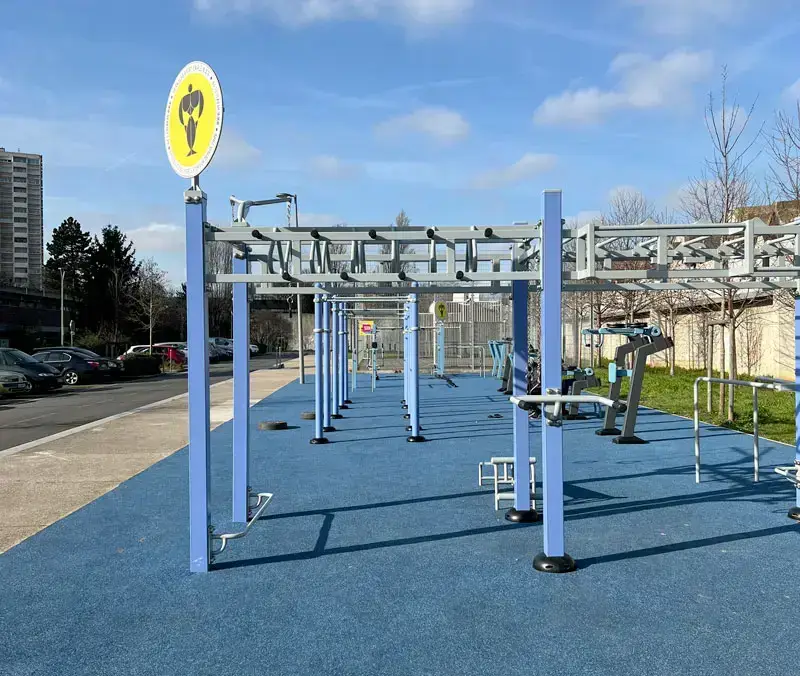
(318, 440)
(406, 416)
(347, 401)
(415, 440)
(329, 428)
(343, 407)
(629, 440)
(613, 432)
(794, 513)
(577, 416)
(522, 515)
(554, 564)
(336, 416)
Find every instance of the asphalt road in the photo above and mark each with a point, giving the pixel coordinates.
(24, 419)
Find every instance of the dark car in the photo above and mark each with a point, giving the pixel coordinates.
(42, 377)
(74, 366)
(107, 366)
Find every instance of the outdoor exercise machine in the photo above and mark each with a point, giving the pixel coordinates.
(457, 259)
(643, 341)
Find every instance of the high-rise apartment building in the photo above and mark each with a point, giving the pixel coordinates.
(21, 226)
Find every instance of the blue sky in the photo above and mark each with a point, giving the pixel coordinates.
(459, 111)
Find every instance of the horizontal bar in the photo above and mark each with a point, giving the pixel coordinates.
(522, 399)
(744, 383)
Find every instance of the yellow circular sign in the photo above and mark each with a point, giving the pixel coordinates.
(441, 310)
(193, 120)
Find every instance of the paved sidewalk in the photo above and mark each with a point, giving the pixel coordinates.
(42, 484)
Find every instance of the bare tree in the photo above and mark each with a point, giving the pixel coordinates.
(783, 146)
(149, 298)
(219, 260)
(401, 221)
(724, 184)
(753, 337)
(270, 329)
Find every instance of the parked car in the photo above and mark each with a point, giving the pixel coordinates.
(254, 349)
(42, 377)
(166, 352)
(13, 383)
(113, 367)
(75, 367)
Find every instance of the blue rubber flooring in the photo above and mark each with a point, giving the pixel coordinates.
(381, 557)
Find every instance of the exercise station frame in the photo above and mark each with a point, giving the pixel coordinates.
(518, 259)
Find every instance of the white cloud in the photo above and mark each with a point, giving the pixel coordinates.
(528, 166)
(88, 143)
(792, 92)
(683, 17)
(644, 84)
(234, 152)
(331, 167)
(441, 124)
(158, 237)
(302, 12)
(584, 217)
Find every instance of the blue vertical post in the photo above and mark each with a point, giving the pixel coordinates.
(241, 393)
(794, 512)
(440, 349)
(335, 362)
(319, 383)
(404, 402)
(326, 367)
(199, 396)
(345, 349)
(521, 511)
(554, 559)
(355, 355)
(413, 371)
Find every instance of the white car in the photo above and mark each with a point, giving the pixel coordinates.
(13, 383)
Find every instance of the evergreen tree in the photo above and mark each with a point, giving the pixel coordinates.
(69, 248)
(114, 272)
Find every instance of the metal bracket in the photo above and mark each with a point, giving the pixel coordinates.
(791, 472)
(552, 412)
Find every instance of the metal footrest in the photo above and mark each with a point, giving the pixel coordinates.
(221, 540)
(792, 473)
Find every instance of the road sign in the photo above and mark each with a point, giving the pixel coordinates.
(440, 310)
(193, 119)
(366, 328)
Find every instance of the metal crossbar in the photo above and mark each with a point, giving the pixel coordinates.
(749, 255)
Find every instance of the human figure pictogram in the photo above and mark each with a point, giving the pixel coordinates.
(189, 103)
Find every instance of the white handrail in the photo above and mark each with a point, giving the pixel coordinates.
(761, 383)
(522, 399)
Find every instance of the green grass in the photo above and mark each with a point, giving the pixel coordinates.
(673, 394)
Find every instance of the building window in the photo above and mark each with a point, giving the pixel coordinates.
(34, 160)
(20, 188)
(20, 240)
(20, 200)
(20, 210)
(17, 219)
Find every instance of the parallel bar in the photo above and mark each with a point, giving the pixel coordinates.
(199, 396)
(795, 512)
(413, 370)
(241, 395)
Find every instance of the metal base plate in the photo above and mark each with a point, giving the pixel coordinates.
(554, 564)
(318, 440)
(613, 432)
(522, 515)
(629, 440)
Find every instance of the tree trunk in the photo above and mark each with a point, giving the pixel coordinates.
(722, 358)
(671, 350)
(150, 322)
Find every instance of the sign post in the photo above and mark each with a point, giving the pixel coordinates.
(192, 129)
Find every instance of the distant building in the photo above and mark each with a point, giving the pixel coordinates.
(21, 225)
(30, 319)
(778, 213)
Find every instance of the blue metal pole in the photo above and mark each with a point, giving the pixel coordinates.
(335, 362)
(440, 345)
(326, 367)
(355, 357)
(794, 512)
(319, 385)
(413, 371)
(345, 348)
(404, 403)
(521, 512)
(241, 393)
(199, 396)
(553, 559)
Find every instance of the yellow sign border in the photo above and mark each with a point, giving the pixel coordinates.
(208, 72)
(361, 324)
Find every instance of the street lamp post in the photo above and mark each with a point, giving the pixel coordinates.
(62, 271)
